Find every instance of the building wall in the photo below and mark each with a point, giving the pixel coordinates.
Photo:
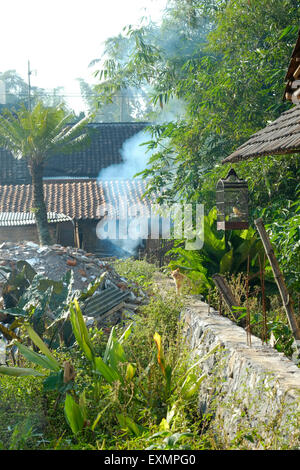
(25, 233)
(87, 235)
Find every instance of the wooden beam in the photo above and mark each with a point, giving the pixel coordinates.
(286, 299)
(296, 74)
(223, 286)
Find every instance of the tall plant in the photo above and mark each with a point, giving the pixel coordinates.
(219, 254)
(35, 136)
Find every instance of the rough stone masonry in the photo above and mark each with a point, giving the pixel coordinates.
(251, 391)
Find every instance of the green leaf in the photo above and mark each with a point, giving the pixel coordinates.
(92, 287)
(42, 346)
(19, 371)
(54, 381)
(80, 331)
(226, 262)
(110, 374)
(191, 386)
(128, 423)
(36, 358)
(73, 414)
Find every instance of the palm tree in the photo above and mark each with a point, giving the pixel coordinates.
(35, 136)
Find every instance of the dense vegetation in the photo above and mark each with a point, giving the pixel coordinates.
(215, 73)
(131, 388)
(214, 70)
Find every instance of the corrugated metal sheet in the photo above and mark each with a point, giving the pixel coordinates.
(11, 219)
(101, 303)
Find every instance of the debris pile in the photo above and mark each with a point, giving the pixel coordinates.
(106, 306)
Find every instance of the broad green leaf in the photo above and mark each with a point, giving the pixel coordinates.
(128, 423)
(226, 262)
(80, 331)
(192, 386)
(54, 381)
(36, 358)
(19, 371)
(106, 371)
(73, 414)
(42, 346)
(126, 334)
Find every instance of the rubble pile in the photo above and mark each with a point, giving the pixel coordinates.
(107, 305)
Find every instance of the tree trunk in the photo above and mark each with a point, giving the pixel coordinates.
(39, 206)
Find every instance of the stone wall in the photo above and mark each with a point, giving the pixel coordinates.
(252, 393)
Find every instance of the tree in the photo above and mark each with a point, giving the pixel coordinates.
(14, 93)
(35, 136)
(123, 106)
(226, 61)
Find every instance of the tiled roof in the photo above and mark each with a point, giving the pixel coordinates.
(118, 193)
(78, 199)
(9, 219)
(103, 150)
(282, 136)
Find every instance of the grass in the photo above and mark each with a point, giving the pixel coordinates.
(31, 418)
(164, 417)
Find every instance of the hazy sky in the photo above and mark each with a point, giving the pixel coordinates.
(61, 37)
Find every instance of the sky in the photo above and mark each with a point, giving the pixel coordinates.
(61, 37)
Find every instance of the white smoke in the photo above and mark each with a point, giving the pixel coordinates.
(135, 158)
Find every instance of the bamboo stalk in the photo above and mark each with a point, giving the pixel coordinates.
(286, 300)
(248, 316)
(263, 298)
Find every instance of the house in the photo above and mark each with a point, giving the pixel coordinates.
(76, 199)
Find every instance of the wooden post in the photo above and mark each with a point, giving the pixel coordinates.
(286, 300)
(226, 292)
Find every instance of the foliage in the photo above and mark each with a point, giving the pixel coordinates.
(286, 221)
(41, 302)
(219, 254)
(56, 380)
(139, 271)
(16, 93)
(35, 136)
(135, 389)
(278, 333)
(225, 63)
(132, 398)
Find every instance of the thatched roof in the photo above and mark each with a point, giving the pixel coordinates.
(280, 137)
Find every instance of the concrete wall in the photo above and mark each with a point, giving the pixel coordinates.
(23, 233)
(252, 392)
